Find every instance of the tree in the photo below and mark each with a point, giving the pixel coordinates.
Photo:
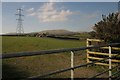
(108, 28)
(92, 33)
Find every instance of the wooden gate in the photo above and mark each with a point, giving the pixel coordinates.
(102, 52)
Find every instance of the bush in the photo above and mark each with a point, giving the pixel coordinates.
(108, 28)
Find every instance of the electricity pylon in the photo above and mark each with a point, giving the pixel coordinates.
(19, 29)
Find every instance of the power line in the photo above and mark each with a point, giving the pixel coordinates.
(19, 29)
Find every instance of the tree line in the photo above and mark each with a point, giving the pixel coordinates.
(108, 28)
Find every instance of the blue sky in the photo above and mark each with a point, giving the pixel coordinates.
(39, 16)
(60, 0)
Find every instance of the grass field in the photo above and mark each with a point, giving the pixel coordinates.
(35, 65)
(18, 44)
(82, 36)
(0, 59)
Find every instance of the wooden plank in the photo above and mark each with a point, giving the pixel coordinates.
(114, 48)
(99, 53)
(96, 58)
(104, 64)
(117, 61)
(98, 63)
(95, 40)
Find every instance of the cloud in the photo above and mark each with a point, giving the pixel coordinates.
(32, 14)
(92, 15)
(51, 0)
(30, 10)
(48, 13)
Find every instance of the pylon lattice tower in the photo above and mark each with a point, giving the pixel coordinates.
(19, 29)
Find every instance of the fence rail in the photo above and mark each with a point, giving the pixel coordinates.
(95, 54)
(75, 67)
(23, 54)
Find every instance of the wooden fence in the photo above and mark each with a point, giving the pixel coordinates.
(102, 52)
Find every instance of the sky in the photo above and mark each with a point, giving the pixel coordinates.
(60, 0)
(39, 16)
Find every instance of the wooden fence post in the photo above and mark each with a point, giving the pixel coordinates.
(110, 63)
(72, 65)
(87, 42)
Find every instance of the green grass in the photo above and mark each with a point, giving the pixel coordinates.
(38, 65)
(18, 44)
(0, 53)
(82, 36)
(0, 44)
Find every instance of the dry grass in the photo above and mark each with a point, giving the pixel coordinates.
(38, 65)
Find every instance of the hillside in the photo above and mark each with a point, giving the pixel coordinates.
(58, 32)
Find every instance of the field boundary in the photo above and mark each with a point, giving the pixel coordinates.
(71, 50)
(96, 55)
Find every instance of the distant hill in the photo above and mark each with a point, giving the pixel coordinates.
(58, 32)
(13, 34)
